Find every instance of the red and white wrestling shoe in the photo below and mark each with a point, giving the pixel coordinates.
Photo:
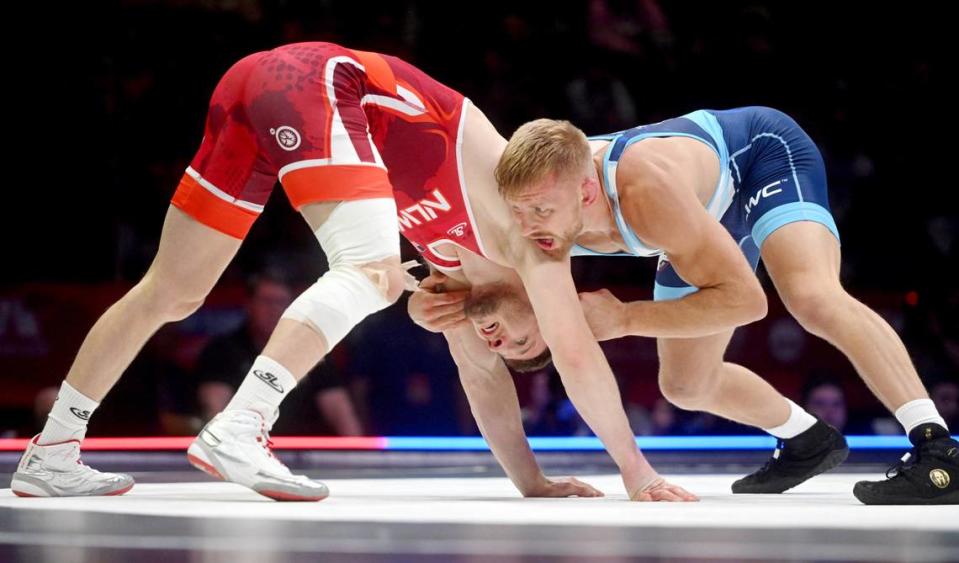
(235, 447)
(55, 470)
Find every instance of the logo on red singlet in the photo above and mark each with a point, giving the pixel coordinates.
(424, 211)
(458, 230)
(287, 137)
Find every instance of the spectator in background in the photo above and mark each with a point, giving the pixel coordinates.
(226, 359)
(547, 411)
(404, 378)
(629, 27)
(945, 394)
(42, 404)
(662, 419)
(599, 101)
(825, 398)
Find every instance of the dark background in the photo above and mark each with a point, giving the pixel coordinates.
(106, 101)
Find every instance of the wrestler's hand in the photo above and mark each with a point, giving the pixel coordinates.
(410, 282)
(563, 487)
(434, 308)
(605, 314)
(659, 489)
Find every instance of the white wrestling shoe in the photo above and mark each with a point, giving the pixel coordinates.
(235, 446)
(55, 470)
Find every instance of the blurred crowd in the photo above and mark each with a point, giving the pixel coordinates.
(130, 89)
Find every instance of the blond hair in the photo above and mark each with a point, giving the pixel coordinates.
(540, 148)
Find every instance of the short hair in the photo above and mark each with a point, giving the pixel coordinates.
(533, 364)
(540, 148)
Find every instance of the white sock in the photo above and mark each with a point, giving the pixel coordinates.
(920, 411)
(69, 416)
(798, 422)
(263, 389)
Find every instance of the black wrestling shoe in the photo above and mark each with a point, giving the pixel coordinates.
(928, 474)
(818, 449)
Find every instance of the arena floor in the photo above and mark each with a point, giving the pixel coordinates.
(462, 514)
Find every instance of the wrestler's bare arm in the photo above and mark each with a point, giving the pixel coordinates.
(660, 204)
(582, 366)
(490, 391)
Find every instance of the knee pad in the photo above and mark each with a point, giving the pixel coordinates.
(357, 237)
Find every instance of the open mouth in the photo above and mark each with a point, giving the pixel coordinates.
(490, 328)
(546, 243)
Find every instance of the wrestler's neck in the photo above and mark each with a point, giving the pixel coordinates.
(599, 230)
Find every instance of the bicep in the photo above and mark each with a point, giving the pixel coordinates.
(669, 216)
(708, 256)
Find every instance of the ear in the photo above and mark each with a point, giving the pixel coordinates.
(590, 191)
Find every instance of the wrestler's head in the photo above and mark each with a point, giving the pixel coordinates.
(502, 316)
(547, 176)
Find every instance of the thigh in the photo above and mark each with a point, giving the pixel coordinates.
(802, 257)
(191, 256)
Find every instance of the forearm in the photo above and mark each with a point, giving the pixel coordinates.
(492, 398)
(703, 313)
(586, 375)
(497, 412)
(592, 388)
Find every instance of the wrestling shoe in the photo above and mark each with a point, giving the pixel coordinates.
(55, 470)
(797, 459)
(235, 447)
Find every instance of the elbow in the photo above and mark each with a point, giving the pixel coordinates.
(753, 303)
(745, 302)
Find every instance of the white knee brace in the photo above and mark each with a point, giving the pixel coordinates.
(355, 234)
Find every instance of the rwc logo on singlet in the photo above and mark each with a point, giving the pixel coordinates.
(767, 191)
(424, 211)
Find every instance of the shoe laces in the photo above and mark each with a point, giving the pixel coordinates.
(774, 460)
(263, 437)
(256, 428)
(68, 454)
(904, 467)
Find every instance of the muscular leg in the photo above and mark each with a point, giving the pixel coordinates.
(803, 261)
(362, 246)
(300, 345)
(361, 242)
(693, 376)
(190, 260)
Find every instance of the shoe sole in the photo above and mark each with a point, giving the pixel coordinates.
(284, 496)
(206, 466)
(24, 489)
(865, 496)
(831, 461)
